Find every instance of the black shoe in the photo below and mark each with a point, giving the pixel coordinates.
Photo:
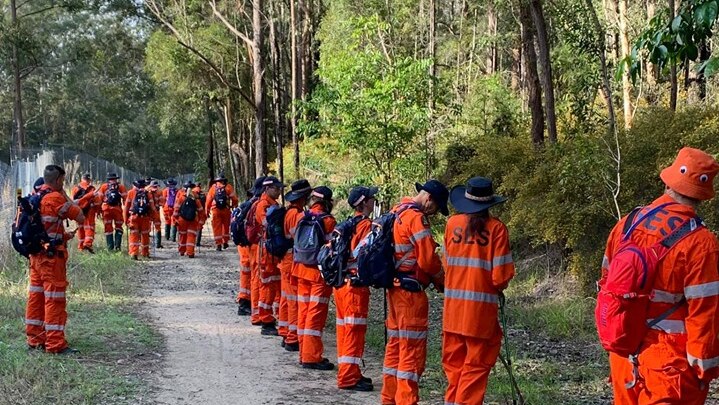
(219, 248)
(324, 365)
(243, 310)
(292, 347)
(225, 246)
(134, 257)
(88, 249)
(283, 344)
(35, 347)
(269, 329)
(256, 323)
(191, 256)
(361, 385)
(366, 379)
(67, 351)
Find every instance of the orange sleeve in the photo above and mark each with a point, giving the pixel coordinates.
(233, 197)
(123, 191)
(424, 246)
(101, 191)
(69, 210)
(201, 214)
(178, 203)
(363, 228)
(128, 202)
(502, 260)
(329, 222)
(210, 199)
(261, 212)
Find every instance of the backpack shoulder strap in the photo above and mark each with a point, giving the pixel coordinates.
(666, 313)
(684, 230)
(630, 219)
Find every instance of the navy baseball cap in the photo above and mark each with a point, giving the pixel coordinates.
(439, 193)
(322, 192)
(359, 194)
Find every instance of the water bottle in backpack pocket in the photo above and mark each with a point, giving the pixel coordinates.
(333, 257)
(309, 238)
(276, 243)
(625, 292)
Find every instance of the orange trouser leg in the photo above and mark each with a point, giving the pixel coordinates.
(285, 296)
(192, 230)
(254, 285)
(269, 289)
(315, 317)
(167, 213)
(217, 226)
(182, 227)
(225, 215)
(352, 309)
(243, 293)
(54, 278)
(35, 309)
(145, 227)
(467, 362)
(292, 312)
(88, 236)
(134, 248)
(666, 376)
(112, 216)
(304, 289)
(406, 350)
(80, 237)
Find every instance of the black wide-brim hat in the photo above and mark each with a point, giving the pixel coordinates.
(140, 183)
(299, 189)
(477, 196)
(439, 193)
(112, 176)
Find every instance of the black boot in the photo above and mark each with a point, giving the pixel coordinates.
(269, 329)
(167, 231)
(362, 385)
(292, 347)
(158, 240)
(243, 308)
(199, 238)
(118, 239)
(173, 232)
(110, 242)
(225, 245)
(323, 365)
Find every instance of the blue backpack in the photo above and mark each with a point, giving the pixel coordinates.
(237, 223)
(309, 238)
(333, 256)
(376, 264)
(275, 241)
(29, 236)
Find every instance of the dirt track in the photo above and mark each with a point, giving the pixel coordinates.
(216, 357)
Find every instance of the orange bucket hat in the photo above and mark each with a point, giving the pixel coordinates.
(692, 174)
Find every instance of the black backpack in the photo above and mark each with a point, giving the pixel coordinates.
(112, 195)
(28, 232)
(309, 238)
(276, 243)
(237, 223)
(220, 197)
(188, 209)
(333, 257)
(140, 204)
(79, 193)
(376, 265)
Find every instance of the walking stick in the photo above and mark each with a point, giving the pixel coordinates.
(517, 398)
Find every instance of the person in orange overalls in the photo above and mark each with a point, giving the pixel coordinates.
(313, 295)
(352, 303)
(221, 198)
(244, 294)
(679, 356)
(188, 219)
(45, 314)
(479, 265)
(139, 208)
(113, 194)
(156, 196)
(269, 271)
(169, 196)
(84, 196)
(297, 198)
(417, 266)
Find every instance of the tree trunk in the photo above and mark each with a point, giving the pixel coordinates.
(230, 129)
(626, 83)
(296, 91)
(534, 94)
(606, 84)
(674, 89)
(210, 142)
(491, 63)
(429, 141)
(276, 97)
(17, 102)
(651, 68)
(545, 62)
(306, 60)
(704, 54)
(258, 71)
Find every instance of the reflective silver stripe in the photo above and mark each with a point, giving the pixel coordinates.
(502, 260)
(405, 375)
(350, 320)
(35, 289)
(303, 298)
(340, 321)
(191, 232)
(450, 403)
(65, 208)
(55, 235)
(108, 233)
(34, 322)
(244, 290)
(409, 263)
(471, 296)
(283, 294)
(418, 236)
(282, 324)
(292, 328)
(54, 327)
(349, 360)
(469, 262)
(245, 269)
(309, 332)
(400, 248)
(406, 334)
(605, 262)
(352, 266)
(291, 297)
(320, 300)
(669, 326)
(54, 294)
(270, 279)
(49, 218)
(264, 306)
(704, 364)
(702, 290)
(665, 296)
